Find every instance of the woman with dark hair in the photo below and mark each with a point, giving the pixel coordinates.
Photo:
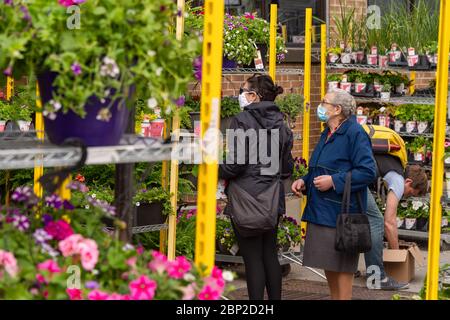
(259, 251)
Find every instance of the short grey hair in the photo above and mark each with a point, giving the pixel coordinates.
(345, 100)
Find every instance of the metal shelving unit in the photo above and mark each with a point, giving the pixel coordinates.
(358, 66)
(252, 71)
(23, 150)
(397, 100)
(423, 236)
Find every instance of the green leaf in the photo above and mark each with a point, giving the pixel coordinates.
(99, 11)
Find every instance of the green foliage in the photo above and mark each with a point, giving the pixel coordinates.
(149, 57)
(335, 50)
(21, 106)
(290, 104)
(154, 195)
(300, 168)
(229, 107)
(334, 77)
(225, 233)
(289, 233)
(344, 24)
(419, 144)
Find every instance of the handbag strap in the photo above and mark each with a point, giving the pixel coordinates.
(345, 208)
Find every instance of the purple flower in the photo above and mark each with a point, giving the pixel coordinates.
(102, 205)
(92, 285)
(78, 186)
(180, 101)
(41, 236)
(179, 13)
(76, 68)
(21, 222)
(47, 219)
(46, 248)
(26, 13)
(68, 206)
(198, 62)
(8, 2)
(22, 194)
(53, 201)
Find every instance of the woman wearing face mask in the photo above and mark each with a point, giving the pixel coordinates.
(343, 147)
(259, 252)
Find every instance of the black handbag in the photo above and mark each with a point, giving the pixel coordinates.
(352, 229)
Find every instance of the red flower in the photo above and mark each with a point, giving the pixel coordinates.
(59, 230)
(142, 288)
(80, 178)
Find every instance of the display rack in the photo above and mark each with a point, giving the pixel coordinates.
(253, 71)
(397, 100)
(358, 66)
(24, 151)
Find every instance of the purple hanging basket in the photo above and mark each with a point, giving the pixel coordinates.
(91, 131)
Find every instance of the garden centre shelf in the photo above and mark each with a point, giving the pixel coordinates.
(149, 228)
(422, 235)
(398, 100)
(23, 150)
(252, 71)
(359, 66)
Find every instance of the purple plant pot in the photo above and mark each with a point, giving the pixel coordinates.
(93, 132)
(228, 64)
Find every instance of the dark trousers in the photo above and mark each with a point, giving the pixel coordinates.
(262, 268)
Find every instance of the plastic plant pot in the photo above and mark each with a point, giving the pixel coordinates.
(410, 223)
(346, 58)
(383, 61)
(347, 86)
(400, 88)
(2, 125)
(412, 60)
(333, 85)
(385, 96)
(359, 56)
(24, 126)
(419, 156)
(360, 87)
(377, 87)
(333, 57)
(400, 223)
(384, 121)
(410, 126)
(372, 59)
(422, 126)
(398, 125)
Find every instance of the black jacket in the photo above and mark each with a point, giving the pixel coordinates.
(262, 115)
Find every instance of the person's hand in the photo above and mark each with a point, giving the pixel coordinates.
(323, 183)
(298, 186)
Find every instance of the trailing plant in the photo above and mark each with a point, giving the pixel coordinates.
(229, 107)
(291, 105)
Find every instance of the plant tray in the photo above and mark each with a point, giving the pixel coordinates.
(364, 95)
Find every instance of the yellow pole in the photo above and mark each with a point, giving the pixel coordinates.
(307, 84)
(323, 64)
(172, 235)
(307, 94)
(438, 152)
(164, 182)
(210, 115)
(9, 88)
(38, 170)
(273, 41)
(412, 86)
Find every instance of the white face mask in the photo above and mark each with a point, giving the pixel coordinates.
(243, 102)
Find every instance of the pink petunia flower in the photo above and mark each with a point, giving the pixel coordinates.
(115, 296)
(178, 268)
(9, 263)
(59, 230)
(208, 293)
(142, 288)
(188, 292)
(98, 295)
(216, 273)
(50, 266)
(74, 294)
(68, 3)
(159, 262)
(69, 246)
(131, 262)
(40, 278)
(89, 254)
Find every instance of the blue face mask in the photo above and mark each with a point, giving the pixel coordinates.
(322, 113)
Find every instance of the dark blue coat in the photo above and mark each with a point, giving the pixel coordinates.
(349, 148)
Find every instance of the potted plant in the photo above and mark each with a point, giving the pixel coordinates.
(88, 75)
(402, 114)
(424, 116)
(411, 215)
(299, 170)
(291, 105)
(360, 83)
(334, 54)
(152, 206)
(377, 83)
(386, 92)
(401, 213)
(422, 218)
(418, 148)
(289, 234)
(333, 80)
(431, 52)
(225, 237)
(229, 108)
(192, 104)
(16, 113)
(344, 23)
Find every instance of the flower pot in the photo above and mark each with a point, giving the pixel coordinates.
(383, 61)
(411, 126)
(410, 223)
(374, 50)
(225, 124)
(333, 57)
(447, 184)
(385, 96)
(195, 122)
(398, 125)
(384, 121)
(422, 126)
(400, 223)
(360, 87)
(347, 86)
(90, 130)
(2, 125)
(372, 59)
(412, 60)
(24, 125)
(377, 87)
(333, 85)
(422, 224)
(359, 56)
(346, 58)
(229, 64)
(400, 88)
(444, 222)
(419, 156)
(361, 119)
(149, 213)
(145, 128)
(393, 56)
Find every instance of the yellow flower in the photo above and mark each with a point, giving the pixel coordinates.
(66, 218)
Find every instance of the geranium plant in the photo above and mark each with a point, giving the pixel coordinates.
(103, 49)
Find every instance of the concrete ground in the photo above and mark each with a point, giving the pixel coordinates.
(303, 284)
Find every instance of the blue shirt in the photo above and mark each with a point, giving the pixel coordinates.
(348, 149)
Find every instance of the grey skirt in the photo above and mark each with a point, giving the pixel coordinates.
(319, 251)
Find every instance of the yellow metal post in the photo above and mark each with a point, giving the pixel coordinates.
(307, 84)
(38, 170)
(273, 41)
(438, 152)
(412, 86)
(210, 115)
(9, 88)
(165, 184)
(323, 64)
(172, 235)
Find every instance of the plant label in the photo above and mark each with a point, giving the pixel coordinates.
(156, 128)
(372, 59)
(411, 52)
(234, 249)
(259, 65)
(418, 156)
(374, 50)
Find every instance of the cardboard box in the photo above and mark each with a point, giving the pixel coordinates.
(400, 264)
